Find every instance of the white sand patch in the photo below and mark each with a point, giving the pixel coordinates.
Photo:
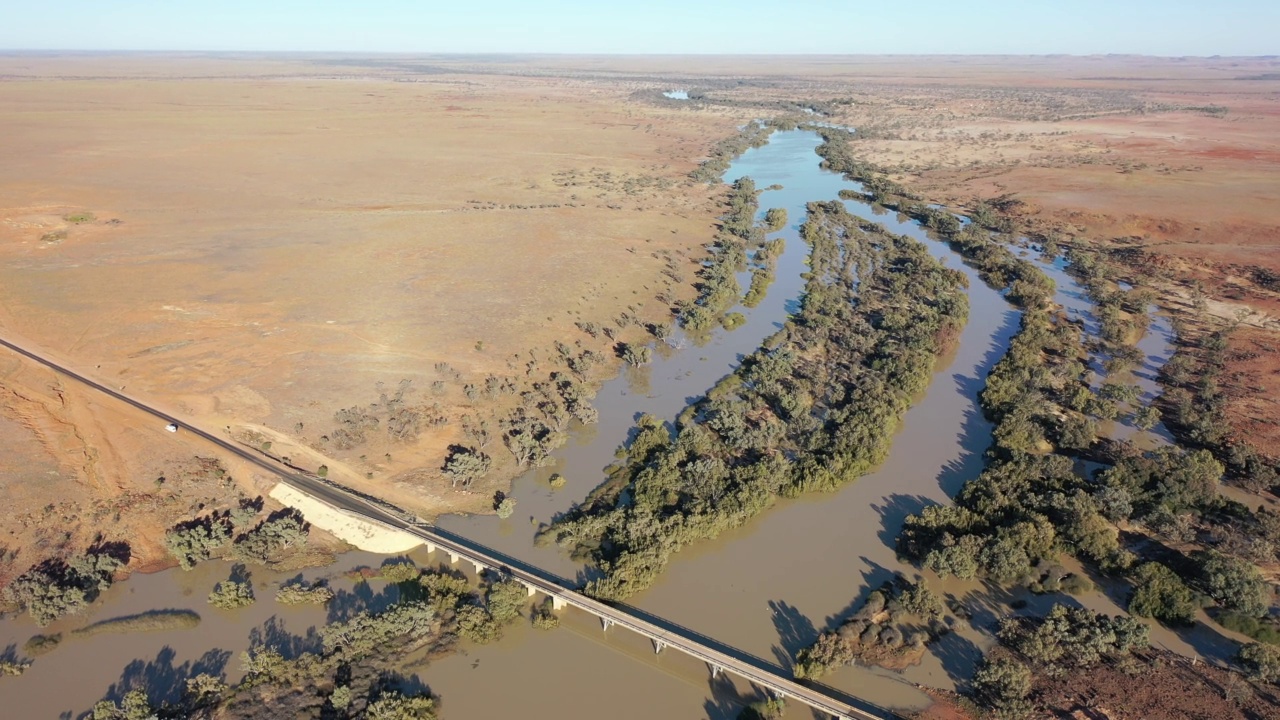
(343, 525)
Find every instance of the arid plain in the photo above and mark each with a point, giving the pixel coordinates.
(258, 244)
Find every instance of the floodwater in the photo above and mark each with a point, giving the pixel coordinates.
(676, 94)
(766, 589)
(80, 671)
(1156, 344)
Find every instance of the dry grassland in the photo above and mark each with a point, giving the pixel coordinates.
(256, 244)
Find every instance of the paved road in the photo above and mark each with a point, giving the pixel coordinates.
(312, 486)
(532, 578)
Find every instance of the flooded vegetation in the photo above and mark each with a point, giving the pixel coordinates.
(881, 351)
(813, 409)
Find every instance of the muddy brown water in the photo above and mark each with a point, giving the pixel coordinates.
(766, 589)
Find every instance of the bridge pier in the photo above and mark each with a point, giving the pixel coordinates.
(606, 622)
(454, 558)
(529, 587)
(715, 669)
(558, 603)
(658, 646)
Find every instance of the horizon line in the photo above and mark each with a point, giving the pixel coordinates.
(519, 53)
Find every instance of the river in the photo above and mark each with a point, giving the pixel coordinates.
(767, 588)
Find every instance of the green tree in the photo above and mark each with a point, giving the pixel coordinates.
(506, 507)
(340, 698)
(1146, 417)
(263, 664)
(133, 706)
(1261, 661)
(263, 543)
(505, 600)
(1236, 585)
(465, 465)
(1159, 593)
(775, 219)
(476, 624)
(399, 572)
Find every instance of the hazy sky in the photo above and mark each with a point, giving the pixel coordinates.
(1156, 27)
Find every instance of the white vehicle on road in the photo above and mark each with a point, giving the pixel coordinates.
(171, 427)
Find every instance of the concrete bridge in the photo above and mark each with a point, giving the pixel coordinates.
(662, 638)
(562, 596)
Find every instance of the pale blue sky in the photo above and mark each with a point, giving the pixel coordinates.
(1155, 27)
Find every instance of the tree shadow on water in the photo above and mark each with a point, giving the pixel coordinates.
(349, 603)
(893, 511)
(161, 679)
(958, 655)
(10, 654)
(726, 701)
(795, 632)
(273, 635)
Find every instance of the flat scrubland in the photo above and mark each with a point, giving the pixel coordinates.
(260, 242)
(256, 244)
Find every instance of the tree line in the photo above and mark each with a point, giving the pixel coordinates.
(815, 407)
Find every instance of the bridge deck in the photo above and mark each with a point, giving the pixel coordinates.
(716, 659)
(347, 500)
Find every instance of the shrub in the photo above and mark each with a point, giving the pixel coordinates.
(1002, 686)
(543, 616)
(231, 594)
(154, 620)
(303, 594)
(13, 667)
(394, 706)
(41, 644)
(771, 709)
(1258, 629)
(1260, 661)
